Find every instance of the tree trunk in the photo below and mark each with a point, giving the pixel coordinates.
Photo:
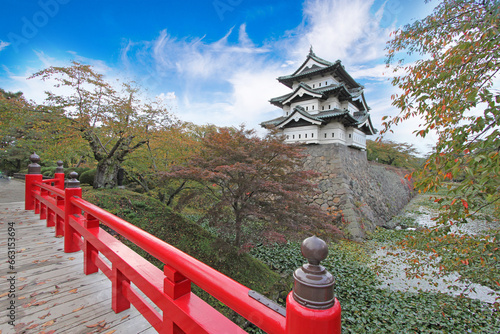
(107, 173)
(237, 227)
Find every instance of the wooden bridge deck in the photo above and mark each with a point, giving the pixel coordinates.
(52, 295)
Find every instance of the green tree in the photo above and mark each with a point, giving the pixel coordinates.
(26, 128)
(113, 123)
(391, 153)
(250, 178)
(452, 90)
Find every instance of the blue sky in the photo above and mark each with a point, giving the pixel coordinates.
(213, 61)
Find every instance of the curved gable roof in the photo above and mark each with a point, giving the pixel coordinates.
(298, 114)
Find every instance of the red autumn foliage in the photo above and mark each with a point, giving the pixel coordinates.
(252, 178)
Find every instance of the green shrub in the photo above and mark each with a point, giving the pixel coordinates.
(88, 176)
(79, 170)
(48, 171)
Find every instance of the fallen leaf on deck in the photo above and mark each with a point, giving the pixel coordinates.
(78, 309)
(22, 287)
(22, 278)
(33, 326)
(110, 332)
(36, 261)
(34, 294)
(71, 258)
(40, 283)
(39, 303)
(73, 290)
(44, 316)
(125, 317)
(54, 292)
(21, 297)
(3, 295)
(29, 304)
(48, 323)
(92, 326)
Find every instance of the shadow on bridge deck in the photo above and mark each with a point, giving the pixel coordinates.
(52, 294)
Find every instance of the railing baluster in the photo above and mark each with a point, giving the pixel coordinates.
(89, 251)
(70, 236)
(119, 302)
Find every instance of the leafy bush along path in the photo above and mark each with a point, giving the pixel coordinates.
(366, 308)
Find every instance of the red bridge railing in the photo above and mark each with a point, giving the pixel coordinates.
(170, 306)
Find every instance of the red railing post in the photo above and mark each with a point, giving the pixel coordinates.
(59, 220)
(118, 300)
(70, 235)
(89, 251)
(34, 175)
(175, 285)
(311, 307)
(59, 175)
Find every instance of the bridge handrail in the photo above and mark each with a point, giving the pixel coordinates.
(231, 293)
(310, 308)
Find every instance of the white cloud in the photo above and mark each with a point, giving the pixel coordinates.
(166, 97)
(3, 45)
(340, 29)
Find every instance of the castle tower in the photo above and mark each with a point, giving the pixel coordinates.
(326, 106)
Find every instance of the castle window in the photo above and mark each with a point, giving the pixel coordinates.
(307, 108)
(320, 84)
(299, 136)
(323, 108)
(350, 135)
(312, 135)
(325, 135)
(287, 136)
(293, 136)
(312, 107)
(313, 85)
(333, 134)
(305, 136)
(326, 83)
(329, 106)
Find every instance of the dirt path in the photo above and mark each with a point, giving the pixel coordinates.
(11, 191)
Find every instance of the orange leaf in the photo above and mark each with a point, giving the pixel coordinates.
(44, 316)
(465, 204)
(73, 290)
(48, 323)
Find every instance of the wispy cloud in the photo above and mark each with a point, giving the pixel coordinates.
(341, 29)
(3, 45)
